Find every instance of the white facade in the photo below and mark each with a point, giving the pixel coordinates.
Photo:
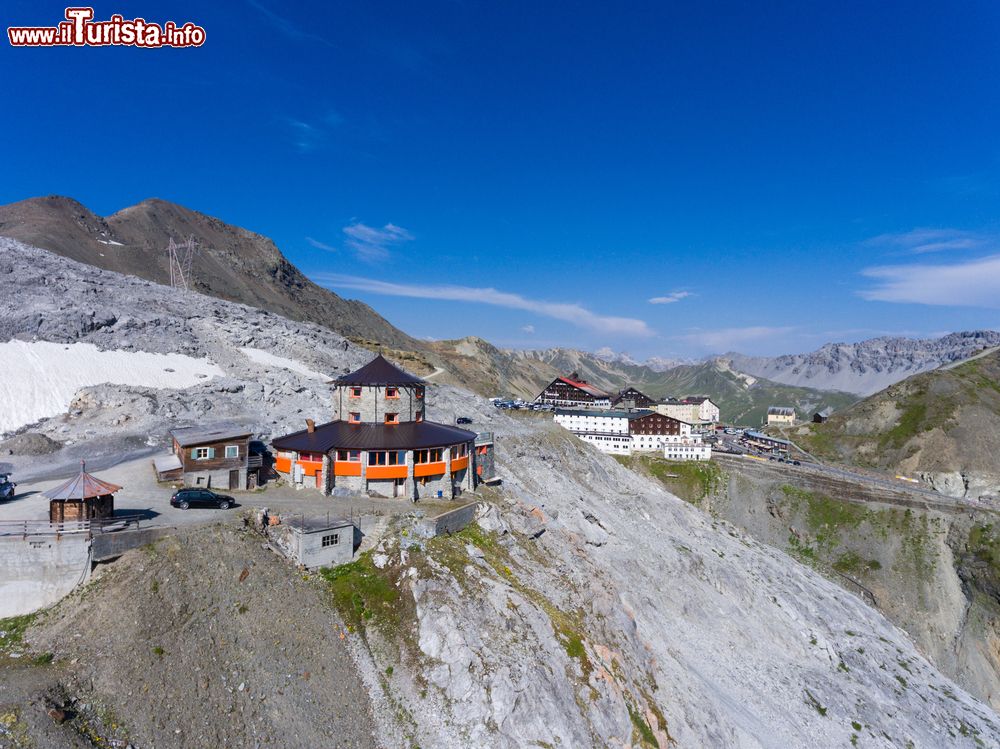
(692, 448)
(606, 430)
(686, 446)
(613, 444)
(599, 422)
(705, 412)
(708, 411)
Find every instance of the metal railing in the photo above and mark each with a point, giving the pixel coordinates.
(95, 526)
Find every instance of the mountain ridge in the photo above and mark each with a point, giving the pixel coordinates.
(868, 366)
(231, 263)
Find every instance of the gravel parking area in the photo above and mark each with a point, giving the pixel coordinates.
(142, 495)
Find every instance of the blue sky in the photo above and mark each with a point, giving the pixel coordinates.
(664, 179)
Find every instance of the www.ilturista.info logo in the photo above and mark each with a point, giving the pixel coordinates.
(81, 30)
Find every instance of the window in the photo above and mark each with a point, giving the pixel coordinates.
(355, 392)
(390, 458)
(428, 456)
(232, 451)
(419, 415)
(354, 417)
(391, 418)
(458, 451)
(419, 392)
(391, 392)
(332, 540)
(203, 453)
(311, 457)
(349, 456)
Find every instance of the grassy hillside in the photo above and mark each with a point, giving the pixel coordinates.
(946, 420)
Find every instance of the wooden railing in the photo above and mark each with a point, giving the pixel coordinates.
(26, 528)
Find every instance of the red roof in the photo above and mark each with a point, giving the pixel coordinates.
(83, 486)
(586, 387)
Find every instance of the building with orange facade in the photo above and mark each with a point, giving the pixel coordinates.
(379, 441)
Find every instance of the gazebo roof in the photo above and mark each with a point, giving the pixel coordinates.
(83, 486)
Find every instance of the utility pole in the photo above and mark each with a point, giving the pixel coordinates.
(181, 260)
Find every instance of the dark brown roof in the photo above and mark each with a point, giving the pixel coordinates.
(343, 435)
(81, 486)
(379, 371)
(200, 435)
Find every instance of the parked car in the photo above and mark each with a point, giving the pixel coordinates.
(463, 420)
(6, 486)
(185, 498)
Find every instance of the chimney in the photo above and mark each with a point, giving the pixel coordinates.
(310, 426)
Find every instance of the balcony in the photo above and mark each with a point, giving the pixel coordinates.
(386, 472)
(435, 468)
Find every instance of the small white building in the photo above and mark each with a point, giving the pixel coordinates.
(780, 415)
(690, 447)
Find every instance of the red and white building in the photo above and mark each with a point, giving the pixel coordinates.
(625, 432)
(571, 391)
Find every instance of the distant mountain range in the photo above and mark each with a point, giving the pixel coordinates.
(238, 265)
(866, 367)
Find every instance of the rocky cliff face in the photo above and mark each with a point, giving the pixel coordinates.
(932, 571)
(587, 607)
(866, 367)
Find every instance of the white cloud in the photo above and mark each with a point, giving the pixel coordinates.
(572, 313)
(725, 339)
(923, 241)
(673, 296)
(974, 283)
(529, 329)
(371, 244)
(320, 245)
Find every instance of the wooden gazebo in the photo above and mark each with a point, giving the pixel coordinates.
(83, 497)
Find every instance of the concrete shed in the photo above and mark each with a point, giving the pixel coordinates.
(317, 542)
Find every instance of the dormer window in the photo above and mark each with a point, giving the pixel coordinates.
(354, 417)
(355, 392)
(391, 392)
(391, 418)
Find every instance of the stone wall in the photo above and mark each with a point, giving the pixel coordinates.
(451, 521)
(37, 571)
(373, 403)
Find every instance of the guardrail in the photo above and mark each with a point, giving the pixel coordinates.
(96, 526)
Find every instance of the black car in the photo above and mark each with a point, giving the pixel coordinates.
(463, 420)
(185, 498)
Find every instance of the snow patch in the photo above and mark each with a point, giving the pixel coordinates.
(272, 360)
(111, 242)
(39, 379)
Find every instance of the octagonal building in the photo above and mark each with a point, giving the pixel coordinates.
(379, 441)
